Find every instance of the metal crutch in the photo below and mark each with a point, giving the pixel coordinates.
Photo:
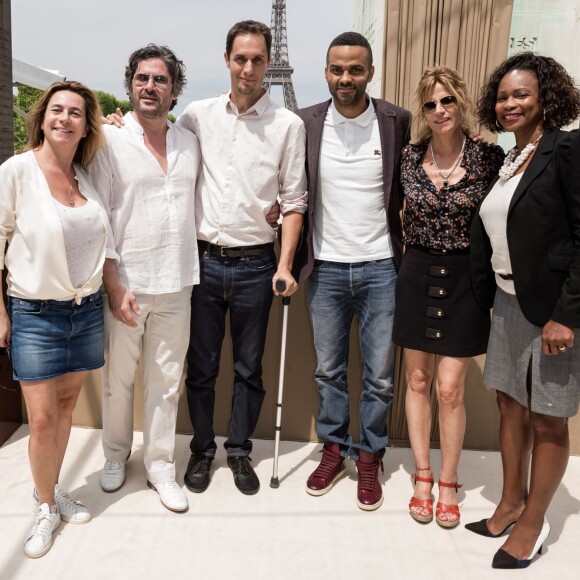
(281, 287)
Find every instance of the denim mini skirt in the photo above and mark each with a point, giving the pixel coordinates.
(54, 337)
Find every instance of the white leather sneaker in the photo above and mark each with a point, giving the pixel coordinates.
(112, 476)
(39, 539)
(171, 495)
(71, 511)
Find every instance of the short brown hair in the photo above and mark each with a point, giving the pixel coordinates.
(248, 27)
(452, 82)
(94, 138)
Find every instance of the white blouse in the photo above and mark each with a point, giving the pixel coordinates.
(493, 213)
(29, 224)
(84, 238)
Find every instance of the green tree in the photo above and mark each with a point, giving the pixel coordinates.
(23, 99)
(109, 103)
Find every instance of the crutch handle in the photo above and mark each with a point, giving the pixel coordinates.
(281, 287)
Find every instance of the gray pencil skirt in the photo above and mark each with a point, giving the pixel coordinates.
(515, 345)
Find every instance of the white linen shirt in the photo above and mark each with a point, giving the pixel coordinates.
(248, 160)
(350, 187)
(152, 214)
(30, 225)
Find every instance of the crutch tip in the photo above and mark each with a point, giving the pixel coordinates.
(275, 483)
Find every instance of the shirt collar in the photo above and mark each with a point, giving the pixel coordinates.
(362, 120)
(132, 123)
(259, 107)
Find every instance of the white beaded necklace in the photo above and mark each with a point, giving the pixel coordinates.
(515, 159)
(446, 178)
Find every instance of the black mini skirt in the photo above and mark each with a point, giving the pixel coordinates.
(435, 309)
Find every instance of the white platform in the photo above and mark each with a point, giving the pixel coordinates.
(277, 534)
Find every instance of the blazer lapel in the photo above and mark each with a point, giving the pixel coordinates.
(386, 121)
(540, 159)
(314, 140)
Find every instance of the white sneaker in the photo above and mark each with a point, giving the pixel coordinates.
(112, 476)
(171, 495)
(39, 539)
(70, 510)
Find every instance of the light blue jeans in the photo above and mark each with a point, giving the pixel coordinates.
(336, 293)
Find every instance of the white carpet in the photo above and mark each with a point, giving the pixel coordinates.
(277, 534)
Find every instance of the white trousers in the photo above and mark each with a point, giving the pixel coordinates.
(160, 339)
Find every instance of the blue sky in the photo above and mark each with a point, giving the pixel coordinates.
(91, 41)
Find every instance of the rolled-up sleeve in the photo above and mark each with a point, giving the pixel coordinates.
(293, 194)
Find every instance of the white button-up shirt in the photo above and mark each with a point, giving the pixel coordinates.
(249, 160)
(152, 214)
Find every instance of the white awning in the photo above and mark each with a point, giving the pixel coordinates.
(33, 76)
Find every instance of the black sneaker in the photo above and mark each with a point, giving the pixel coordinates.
(197, 476)
(245, 477)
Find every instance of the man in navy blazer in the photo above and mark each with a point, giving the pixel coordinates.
(353, 248)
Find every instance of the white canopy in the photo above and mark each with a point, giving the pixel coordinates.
(33, 76)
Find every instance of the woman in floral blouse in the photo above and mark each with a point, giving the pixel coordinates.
(437, 320)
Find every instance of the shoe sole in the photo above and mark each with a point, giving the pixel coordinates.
(319, 492)
(447, 525)
(46, 549)
(77, 522)
(421, 519)
(248, 492)
(171, 509)
(113, 489)
(372, 507)
(195, 489)
(40, 554)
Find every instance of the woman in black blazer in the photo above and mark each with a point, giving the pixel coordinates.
(525, 250)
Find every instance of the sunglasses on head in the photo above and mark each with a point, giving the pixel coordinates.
(445, 102)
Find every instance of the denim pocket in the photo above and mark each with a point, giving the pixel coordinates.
(384, 264)
(266, 260)
(21, 306)
(97, 301)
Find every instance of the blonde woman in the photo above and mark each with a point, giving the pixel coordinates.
(437, 320)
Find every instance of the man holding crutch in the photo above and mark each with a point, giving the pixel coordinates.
(353, 247)
(252, 153)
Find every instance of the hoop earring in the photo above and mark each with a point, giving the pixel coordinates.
(498, 126)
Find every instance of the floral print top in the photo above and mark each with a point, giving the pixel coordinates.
(441, 220)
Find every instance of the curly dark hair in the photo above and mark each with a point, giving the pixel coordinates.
(559, 97)
(175, 67)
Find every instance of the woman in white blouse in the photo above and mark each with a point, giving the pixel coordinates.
(56, 232)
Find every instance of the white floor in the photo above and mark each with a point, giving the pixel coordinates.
(277, 534)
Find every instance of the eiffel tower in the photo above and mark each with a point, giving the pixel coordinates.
(280, 71)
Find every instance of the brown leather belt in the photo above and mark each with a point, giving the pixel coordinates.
(233, 252)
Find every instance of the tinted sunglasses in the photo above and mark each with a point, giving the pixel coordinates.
(142, 79)
(445, 102)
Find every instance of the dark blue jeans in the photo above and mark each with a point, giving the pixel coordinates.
(244, 287)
